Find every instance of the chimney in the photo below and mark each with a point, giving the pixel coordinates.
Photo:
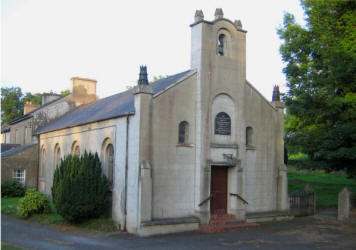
(28, 107)
(48, 97)
(83, 90)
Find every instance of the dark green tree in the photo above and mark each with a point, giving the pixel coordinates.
(80, 190)
(321, 76)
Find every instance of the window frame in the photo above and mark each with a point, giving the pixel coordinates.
(183, 132)
(21, 179)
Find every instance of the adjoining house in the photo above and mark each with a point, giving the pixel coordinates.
(22, 163)
(178, 151)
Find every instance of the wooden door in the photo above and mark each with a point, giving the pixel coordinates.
(218, 202)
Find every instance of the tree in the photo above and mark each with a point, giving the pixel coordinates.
(321, 76)
(11, 105)
(80, 190)
(13, 101)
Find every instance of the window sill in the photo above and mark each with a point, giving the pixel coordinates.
(187, 145)
(250, 147)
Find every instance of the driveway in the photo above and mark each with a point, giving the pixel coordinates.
(318, 232)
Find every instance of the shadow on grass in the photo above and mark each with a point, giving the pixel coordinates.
(9, 207)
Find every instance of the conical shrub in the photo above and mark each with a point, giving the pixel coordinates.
(80, 190)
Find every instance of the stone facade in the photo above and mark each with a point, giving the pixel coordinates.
(24, 158)
(171, 137)
(53, 106)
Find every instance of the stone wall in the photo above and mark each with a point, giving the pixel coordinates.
(22, 158)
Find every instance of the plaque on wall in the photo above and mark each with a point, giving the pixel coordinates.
(222, 124)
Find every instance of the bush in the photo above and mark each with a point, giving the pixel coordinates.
(33, 203)
(80, 190)
(12, 188)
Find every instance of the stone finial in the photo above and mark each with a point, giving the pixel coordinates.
(238, 24)
(199, 16)
(219, 13)
(143, 76)
(276, 95)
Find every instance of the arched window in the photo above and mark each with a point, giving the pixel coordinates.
(43, 163)
(57, 155)
(183, 132)
(221, 45)
(249, 136)
(75, 149)
(107, 153)
(222, 124)
(109, 158)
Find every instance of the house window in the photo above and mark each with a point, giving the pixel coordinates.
(222, 124)
(249, 136)
(183, 132)
(19, 175)
(221, 45)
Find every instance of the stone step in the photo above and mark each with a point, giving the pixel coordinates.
(224, 221)
(227, 227)
(222, 216)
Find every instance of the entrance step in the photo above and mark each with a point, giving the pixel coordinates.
(226, 222)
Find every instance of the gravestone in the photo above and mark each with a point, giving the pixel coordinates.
(343, 209)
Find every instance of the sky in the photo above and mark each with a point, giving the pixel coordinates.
(44, 43)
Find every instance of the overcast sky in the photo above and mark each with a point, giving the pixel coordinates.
(46, 42)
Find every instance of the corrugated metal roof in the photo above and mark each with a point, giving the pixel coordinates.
(113, 106)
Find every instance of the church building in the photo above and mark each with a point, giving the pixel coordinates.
(184, 149)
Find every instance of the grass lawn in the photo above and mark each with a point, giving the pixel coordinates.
(5, 246)
(9, 206)
(326, 186)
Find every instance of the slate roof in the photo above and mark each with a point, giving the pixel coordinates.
(6, 147)
(121, 104)
(14, 150)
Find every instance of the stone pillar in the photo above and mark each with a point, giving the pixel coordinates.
(282, 194)
(343, 208)
(143, 95)
(145, 187)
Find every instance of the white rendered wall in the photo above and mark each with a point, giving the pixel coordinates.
(90, 137)
(261, 169)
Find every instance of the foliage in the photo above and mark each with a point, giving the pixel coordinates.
(326, 185)
(9, 206)
(12, 188)
(65, 92)
(80, 190)
(11, 106)
(321, 74)
(13, 101)
(33, 203)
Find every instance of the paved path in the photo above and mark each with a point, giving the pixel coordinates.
(302, 233)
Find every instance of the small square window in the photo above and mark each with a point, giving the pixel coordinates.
(19, 175)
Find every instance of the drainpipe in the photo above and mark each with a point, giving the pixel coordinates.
(126, 168)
